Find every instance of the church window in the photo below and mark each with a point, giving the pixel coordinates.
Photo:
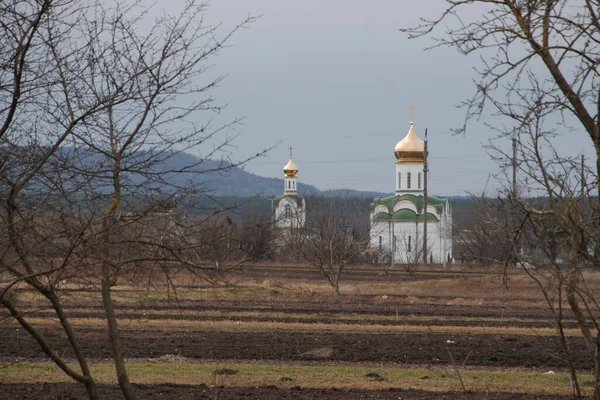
(419, 180)
(380, 242)
(394, 242)
(399, 180)
(408, 180)
(409, 243)
(288, 211)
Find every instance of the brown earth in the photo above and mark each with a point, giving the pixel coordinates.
(396, 311)
(311, 346)
(483, 350)
(67, 391)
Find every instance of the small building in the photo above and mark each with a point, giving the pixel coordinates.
(397, 221)
(290, 209)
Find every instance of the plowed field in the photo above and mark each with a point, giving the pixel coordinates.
(285, 337)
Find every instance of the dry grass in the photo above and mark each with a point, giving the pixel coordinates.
(478, 287)
(302, 327)
(347, 376)
(182, 313)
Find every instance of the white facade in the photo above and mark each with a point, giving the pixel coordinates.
(290, 209)
(397, 221)
(290, 212)
(289, 186)
(406, 230)
(409, 178)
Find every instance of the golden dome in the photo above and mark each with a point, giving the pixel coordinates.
(411, 149)
(290, 169)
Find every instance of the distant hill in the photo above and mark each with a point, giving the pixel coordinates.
(237, 182)
(217, 177)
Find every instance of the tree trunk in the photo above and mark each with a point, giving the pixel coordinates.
(572, 299)
(90, 384)
(86, 378)
(335, 285)
(115, 339)
(18, 244)
(109, 279)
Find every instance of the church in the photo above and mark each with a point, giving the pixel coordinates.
(290, 209)
(398, 221)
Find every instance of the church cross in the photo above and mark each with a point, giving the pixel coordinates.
(412, 112)
(290, 151)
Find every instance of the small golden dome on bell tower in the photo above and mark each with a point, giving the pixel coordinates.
(411, 149)
(290, 168)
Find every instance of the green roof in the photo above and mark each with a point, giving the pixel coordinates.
(405, 215)
(391, 201)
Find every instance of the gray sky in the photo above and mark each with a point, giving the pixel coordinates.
(334, 79)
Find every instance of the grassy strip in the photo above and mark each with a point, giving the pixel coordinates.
(307, 376)
(303, 327)
(471, 290)
(175, 313)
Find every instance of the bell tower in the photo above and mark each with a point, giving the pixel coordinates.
(410, 158)
(291, 178)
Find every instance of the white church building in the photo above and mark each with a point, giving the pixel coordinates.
(290, 209)
(397, 221)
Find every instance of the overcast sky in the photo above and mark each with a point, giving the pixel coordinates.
(334, 79)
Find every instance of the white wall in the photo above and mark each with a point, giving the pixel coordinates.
(439, 239)
(404, 169)
(289, 186)
(297, 217)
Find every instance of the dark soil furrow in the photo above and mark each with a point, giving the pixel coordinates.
(402, 348)
(68, 391)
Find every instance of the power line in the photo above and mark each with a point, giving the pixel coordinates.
(378, 160)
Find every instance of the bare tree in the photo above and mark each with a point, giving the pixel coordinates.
(333, 237)
(257, 234)
(539, 71)
(408, 252)
(217, 242)
(94, 118)
(485, 236)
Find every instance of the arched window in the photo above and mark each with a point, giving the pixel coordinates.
(408, 180)
(288, 211)
(419, 180)
(380, 242)
(399, 180)
(409, 242)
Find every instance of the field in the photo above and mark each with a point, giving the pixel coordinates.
(276, 332)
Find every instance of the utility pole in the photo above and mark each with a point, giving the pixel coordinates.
(514, 167)
(582, 175)
(393, 241)
(425, 169)
(514, 196)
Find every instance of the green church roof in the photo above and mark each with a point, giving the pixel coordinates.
(391, 201)
(405, 215)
